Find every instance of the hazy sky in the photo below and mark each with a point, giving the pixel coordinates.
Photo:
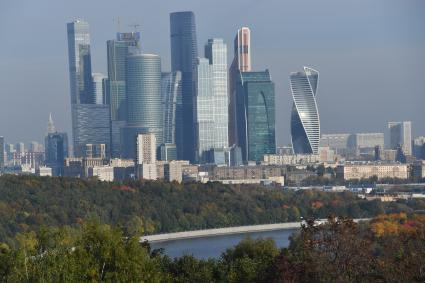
(370, 55)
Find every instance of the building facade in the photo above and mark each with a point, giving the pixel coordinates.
(171, 89)
(144, 101)
(56, 150)
(336, 142)
(184, 52)
(305, 122)
(365, 143)
(241, 62)
(401, 134)
(146, 149)
(90, 126)
(380, 170)
(211, 100)
(2, 159)
(255, 115)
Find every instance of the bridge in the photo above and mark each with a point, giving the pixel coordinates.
(228, 231)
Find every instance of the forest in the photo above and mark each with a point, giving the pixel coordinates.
(29, 203)
(389, 248)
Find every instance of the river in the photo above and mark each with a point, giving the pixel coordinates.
(214, 246)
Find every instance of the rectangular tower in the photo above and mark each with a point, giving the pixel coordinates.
(401, 135)
(255, 112)
(211, 100)
(146, 149)
(184, 52)
(1, 155)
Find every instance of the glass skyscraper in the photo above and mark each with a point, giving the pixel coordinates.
(1, 154)
(184, 52)
(125, 44)
(305, 122)
(241, 62)
(171, 89)
(144, 100)
(90, 121)
(56, 150)
(98, 81)
(211, 100)
(255, 113)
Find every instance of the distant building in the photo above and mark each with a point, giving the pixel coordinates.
(147, 171)
(184, 51)
(419, 147)
(211, 100)
(368, 170)
(305, 122)
(56, 150)
(145, 113)
(171, 90)
(98, 88)
(336, 142)
(365, 143)
(241, 63)
(173, 170)
(168, 152)
(255, 115)
(90, 126)
(125, 44)
(418, 170)
(95, 151)
(146, 149)
(292, 159)
(103, 173)
(2, 157)
(43, 171)
(401, 134)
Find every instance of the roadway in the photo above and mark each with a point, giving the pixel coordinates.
(227, 231)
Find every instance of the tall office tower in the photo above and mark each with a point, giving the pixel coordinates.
(90, 126)
(90, 121)
(184, 52)
(144, 101)
(79, 62)
(56, 150)
(211, 100)
(241, 62)
(98, 81)
(419, 147)
(255, 113)
(1, 154)
(146, 148)
(171, 89)
(401, 134)
(305, 122)
(117, 52)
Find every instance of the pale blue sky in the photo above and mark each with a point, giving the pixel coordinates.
(370, 55)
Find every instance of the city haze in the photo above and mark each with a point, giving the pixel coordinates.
(370, 55)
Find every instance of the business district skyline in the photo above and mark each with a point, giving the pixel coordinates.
(367, 39)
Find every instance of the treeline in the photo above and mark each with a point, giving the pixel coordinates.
(389, 249)
(28, 202)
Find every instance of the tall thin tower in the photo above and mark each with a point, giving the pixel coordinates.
(241, 62)
(305, 123)
(184, 52)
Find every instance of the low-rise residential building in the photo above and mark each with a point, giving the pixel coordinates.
(359, 170)
(293, 159)
(103, 173)
(43, 171)
(418, 170)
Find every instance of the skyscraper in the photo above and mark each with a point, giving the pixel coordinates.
(144, 100)
(79, 62)
(1, 155)
(401, 135)
(171, 89)
(211, 100)
(90, 126)
(90, 121)
(241, 62)
(98, 81)
(255, 112)
(184, 52)
(125, 44)
(305, 123)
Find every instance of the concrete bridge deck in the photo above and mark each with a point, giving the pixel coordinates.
(226, 231)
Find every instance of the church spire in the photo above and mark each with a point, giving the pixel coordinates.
(50, 125)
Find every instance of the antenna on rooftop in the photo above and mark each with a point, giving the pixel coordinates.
(118, 22)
